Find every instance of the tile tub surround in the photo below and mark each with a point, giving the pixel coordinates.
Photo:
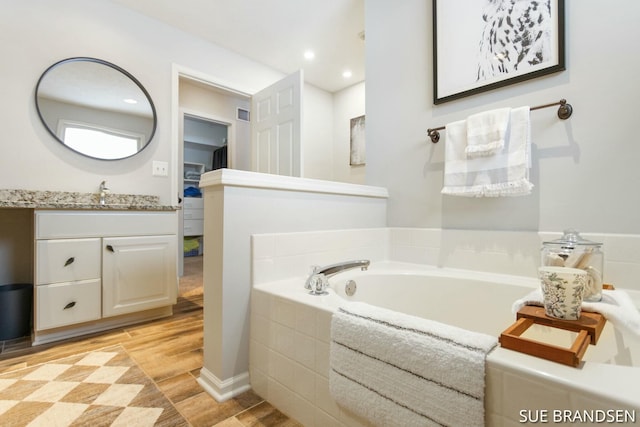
(284, 255)
(289, 368)
(289, 343)
(36, 199)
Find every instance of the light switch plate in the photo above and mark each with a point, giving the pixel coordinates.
(160, 168)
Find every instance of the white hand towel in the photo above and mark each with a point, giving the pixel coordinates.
(486, 132)
(504, 174)
(616, 306)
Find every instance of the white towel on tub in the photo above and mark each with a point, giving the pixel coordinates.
(390, 367)
(505, 173)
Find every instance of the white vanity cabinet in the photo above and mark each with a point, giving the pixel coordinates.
(138, 273)
(68, 284)
(95, 270)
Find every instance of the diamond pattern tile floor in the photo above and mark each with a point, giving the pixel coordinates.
(168, 351)
(63, 392)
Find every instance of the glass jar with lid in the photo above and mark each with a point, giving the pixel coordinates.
(572, 251)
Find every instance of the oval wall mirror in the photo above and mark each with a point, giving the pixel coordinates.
(95, 108)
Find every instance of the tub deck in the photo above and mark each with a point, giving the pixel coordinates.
(607, 378)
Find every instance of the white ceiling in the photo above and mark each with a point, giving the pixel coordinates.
(276, 32)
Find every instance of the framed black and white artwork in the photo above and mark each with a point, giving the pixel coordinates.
(358, 153)
(481, 45)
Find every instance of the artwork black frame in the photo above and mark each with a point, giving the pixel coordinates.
(452, 36)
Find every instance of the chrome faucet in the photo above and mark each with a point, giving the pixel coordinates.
(317, 281)
(103, 192)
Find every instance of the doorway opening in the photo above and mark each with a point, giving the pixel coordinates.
(204, 148)
(263, 127)
(209, 137)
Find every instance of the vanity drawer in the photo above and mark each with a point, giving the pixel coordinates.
(193, 227)
(193, 203)
(82, 224)
(193, 214)
(67, 260)
(81, 299)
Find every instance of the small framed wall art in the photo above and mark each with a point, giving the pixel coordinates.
(358, 153)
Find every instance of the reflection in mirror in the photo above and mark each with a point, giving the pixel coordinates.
(95, 108)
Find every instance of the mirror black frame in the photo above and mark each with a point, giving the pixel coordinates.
(115, 67)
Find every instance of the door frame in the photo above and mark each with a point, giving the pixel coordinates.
(178, 72)
(231, 136)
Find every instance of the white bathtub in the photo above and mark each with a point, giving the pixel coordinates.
(290, 342)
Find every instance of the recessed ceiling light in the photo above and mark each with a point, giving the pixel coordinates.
(347, 74)
(130, 101)
(309, 55)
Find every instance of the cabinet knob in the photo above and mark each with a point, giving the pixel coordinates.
(69, 261)
(70, 305)
(110, 248)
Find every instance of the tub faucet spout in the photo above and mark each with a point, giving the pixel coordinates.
(332, 269)
(317, 281)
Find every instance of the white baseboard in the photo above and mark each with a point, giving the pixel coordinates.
(65, 332)
(223, 390)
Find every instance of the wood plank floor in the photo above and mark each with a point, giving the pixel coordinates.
(169, 351)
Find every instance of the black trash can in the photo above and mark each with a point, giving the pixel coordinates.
(16, 302)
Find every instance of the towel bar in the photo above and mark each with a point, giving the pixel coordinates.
(564, 112)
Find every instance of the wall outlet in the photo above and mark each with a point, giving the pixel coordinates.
(160, 168)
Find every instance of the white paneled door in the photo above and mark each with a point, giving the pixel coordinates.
(276, 127)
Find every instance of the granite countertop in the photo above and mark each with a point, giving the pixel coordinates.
(82, 201)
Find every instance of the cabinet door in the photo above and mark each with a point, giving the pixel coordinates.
(139, 273)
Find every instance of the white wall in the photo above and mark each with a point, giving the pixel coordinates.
(584, 170)
(205, 101)
(37, 33)
(51, 31)
(317, 128)
(239, 204)
(348, 103)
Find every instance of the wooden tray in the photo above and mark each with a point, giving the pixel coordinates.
(588, 326)
(588, 321)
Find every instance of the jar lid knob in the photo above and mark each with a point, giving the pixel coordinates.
(572, 238)
(571, 235)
